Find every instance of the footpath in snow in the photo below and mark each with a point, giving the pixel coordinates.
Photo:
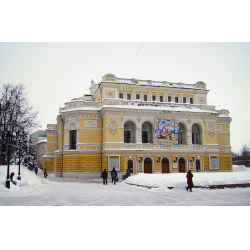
(239, 175)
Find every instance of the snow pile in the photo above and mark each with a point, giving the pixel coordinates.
(240, 174)
(240, 168)
(28, 185)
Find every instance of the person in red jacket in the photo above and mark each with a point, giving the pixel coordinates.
(189, 181)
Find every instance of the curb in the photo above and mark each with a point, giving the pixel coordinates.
(221, 186)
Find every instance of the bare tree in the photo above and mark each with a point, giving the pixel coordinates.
(15, 112)
(245, 150)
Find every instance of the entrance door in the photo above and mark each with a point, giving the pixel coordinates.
(198, 165)
(148, 166)
(165, 165)
(181, 165)
(130, 166)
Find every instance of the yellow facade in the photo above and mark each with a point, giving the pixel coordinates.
(102, 130)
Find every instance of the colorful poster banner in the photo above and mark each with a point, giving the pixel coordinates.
(166, 132)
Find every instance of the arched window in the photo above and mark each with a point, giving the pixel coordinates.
(72, 139)
(147, 133)
(72, 135)
(129, 132)
(196, 134)
(182, 134)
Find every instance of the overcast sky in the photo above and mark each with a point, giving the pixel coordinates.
(55, 73)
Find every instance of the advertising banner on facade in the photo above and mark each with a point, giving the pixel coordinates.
(166, 132)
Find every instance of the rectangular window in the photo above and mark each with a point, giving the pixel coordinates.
(114, 162)
(176, 99)
(153, 98)
(169, 98)
(144, 136)
(161, 98)
(121, 95)
(137, 97)
(213, 162)
(191, 101)
(184, 100)
(128, 97)
(72, 139)
(145, 98)
(127, 138)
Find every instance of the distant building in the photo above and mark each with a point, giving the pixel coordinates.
(41, 149)
(38, 139)
(37, 136)
(139, 126)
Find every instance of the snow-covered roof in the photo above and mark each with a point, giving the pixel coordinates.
(161, 108)
(44, 140)
(111, 78)
(173, 108)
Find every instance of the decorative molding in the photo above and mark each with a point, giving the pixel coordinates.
(113, 125)
(220, 128)
(91, 123)
(211, 128)
(109, 94)
(72, 126)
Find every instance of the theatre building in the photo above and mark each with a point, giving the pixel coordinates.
(140, 126)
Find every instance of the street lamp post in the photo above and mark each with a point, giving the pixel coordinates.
(19, 157)
(8, 157)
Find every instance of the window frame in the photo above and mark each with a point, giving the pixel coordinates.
(72, 146)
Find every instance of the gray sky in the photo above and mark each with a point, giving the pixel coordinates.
(55, 73)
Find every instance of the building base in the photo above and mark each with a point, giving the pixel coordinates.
(85, 175)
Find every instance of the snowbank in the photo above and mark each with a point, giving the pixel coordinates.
(240, 168)
(240, 174)
(28, 185)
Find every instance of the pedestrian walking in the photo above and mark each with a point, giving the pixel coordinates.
(105, 177)
(189, 181)
(113, 175)
(36, 170)
(45, 173)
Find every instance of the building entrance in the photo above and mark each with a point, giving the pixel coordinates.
(165, 165)
(198, 165)
(130, 166)
(148, 166)
(181, 165)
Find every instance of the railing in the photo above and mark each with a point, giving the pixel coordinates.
(156, 83)
(76, 104)
(148, 146)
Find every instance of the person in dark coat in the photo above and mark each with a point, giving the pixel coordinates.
(36, 170)
(11, 178)
(113, 175)
(45, 173)
(189, 181)
(105, 177)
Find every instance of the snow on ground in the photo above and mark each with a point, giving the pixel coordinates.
(28, 185)
(35, 190)
(240, 174)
